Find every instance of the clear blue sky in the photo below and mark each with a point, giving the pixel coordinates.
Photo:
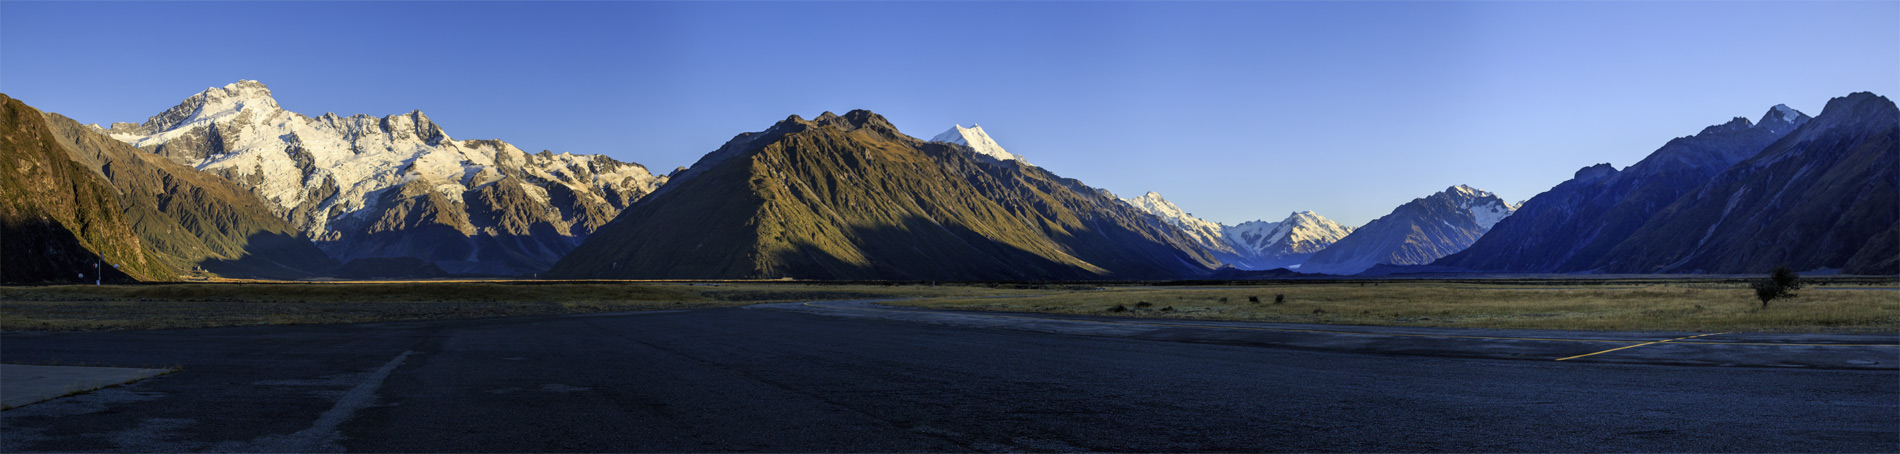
(1235, 111)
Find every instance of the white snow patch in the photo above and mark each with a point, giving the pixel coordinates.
(976, 139)
(1787, 113)
(1485, 208)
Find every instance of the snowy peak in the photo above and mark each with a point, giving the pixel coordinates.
(213, 103)
(1415, 233)
(1485, 208)
(976, 139)
(358, 184)
(1322, 227)
(1785, 112)
(1302, 231)
(1466, 191)
(1207, 233)
(1155, 204)
(1253, 245)
(1286, 243)
(1781, 118)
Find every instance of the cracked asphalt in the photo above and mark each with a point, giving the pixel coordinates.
(845, 377)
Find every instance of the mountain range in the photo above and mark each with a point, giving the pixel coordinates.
(1251, 245)
(230, 183)
(1739, 197)
(395, 186)
(850, 197)
(77, 200)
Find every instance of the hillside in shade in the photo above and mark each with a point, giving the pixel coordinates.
(194, 219)
(183, 219)
(1823, 197)
(58, 217)
(1741, 197)
(1575, 224)
(850, 197)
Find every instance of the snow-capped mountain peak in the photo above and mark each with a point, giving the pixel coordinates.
(1782, 118)
(347, 180)
(214, 103)
(1155, 204)
(1467, 191)
(1203, 231)
(976, 139)
(1285, 243)
(1251, 245)
(1305, 226)
(1486, 208)
(1787, 112)
(1415, 233)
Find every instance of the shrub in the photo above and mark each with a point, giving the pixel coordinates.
(1143, 304)
(1167, 309)
(1279, 298)
(1223, 299)
(1118, 308)
(1780, 283)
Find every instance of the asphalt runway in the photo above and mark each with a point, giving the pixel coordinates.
(851, 376)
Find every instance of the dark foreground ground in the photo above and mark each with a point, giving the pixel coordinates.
(786, 379)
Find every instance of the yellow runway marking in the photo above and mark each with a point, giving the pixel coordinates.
(1444, 336)
(1638, 345)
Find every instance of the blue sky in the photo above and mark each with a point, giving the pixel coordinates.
(1234, 111)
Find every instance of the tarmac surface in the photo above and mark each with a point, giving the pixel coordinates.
(22, 384)
(854, 376)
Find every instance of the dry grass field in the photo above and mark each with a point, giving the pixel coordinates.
(1624, 306)
(1632, 304)
(84, 307)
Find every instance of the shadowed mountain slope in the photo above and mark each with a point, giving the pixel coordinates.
(1823, 197)
(57, 216)
(191, 218)
(1575, 224)
(850, 197)
(1811, 193)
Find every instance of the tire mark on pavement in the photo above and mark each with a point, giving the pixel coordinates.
(322, 436)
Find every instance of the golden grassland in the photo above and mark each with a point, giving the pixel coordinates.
(1627, 304)
(129, 307)
(1633, 306)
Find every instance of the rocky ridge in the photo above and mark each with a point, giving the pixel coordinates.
(1415, 233)
(850, 197)
(398, 185)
